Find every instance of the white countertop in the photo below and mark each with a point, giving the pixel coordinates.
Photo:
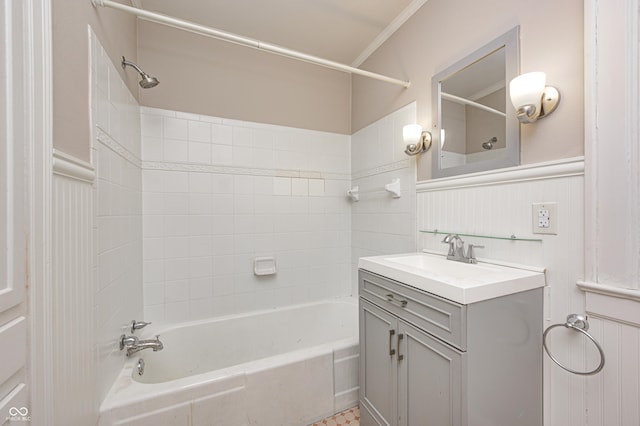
(460, 282)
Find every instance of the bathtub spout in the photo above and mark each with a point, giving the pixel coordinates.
(154, 344)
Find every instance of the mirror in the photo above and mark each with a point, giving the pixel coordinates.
(475, 127)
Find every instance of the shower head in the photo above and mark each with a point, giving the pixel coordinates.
(489, 144)
(147, 81)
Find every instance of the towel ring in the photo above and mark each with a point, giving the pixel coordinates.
(577, 323)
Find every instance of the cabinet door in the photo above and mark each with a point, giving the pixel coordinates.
(378, 372)
(429, 380)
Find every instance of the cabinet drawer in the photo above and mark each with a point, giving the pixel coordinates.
(440, 317)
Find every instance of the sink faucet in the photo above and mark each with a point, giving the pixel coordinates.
(133, 344)
(456, 249)
(456, 246)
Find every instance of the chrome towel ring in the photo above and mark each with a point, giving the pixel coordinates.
(580, 324)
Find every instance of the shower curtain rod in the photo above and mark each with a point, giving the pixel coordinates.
(245, 41)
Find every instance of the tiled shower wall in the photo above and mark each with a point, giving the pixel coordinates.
(381, 224)
(218, 193)
(117, 223)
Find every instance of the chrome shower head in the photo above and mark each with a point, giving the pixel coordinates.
(489, 144)
(147, 81)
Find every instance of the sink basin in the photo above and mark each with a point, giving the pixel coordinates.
(460, 282)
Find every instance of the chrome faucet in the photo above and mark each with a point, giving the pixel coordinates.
(133, 344)
(456, 249)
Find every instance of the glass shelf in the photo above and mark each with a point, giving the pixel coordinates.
(493, 237)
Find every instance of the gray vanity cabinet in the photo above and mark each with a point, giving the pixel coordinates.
(428, 361)
(378, 367)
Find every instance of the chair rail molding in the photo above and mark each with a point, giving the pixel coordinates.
(71, 167)
(613, 303)
(528, 172)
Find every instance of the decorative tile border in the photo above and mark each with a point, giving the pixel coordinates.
(109, 142)
(212, 168)
(403, 164)
(104, 138)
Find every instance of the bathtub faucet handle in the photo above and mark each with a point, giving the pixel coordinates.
(137, 325)
(128, 341)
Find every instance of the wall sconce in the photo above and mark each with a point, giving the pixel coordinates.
(417, 140)
(531, 98)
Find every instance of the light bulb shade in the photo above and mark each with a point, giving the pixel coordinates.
(527, 89)
(411, 133)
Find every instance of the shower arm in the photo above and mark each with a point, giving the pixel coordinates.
(134, 66)
(244, 41)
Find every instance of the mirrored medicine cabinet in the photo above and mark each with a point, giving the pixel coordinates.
(474, 127)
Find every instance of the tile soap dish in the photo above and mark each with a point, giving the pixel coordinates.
(264, 265)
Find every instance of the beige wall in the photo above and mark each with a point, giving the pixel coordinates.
(117, 33)
(211, 77)
(444, 31)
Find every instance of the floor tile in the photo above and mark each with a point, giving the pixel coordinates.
(349, 417)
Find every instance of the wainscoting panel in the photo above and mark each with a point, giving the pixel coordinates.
(614, 318)
(499, 204)
(74, 360)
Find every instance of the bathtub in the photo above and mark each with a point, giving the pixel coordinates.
(288, 366)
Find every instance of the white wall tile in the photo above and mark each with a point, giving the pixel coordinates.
(299, 187)
(243, 184)
(242, 156)
(200, 183)
(200, 153)
(316, 187)
(242, 136)
(222, 154)
(222, 134)
(176, 181)
(380, 224)
(176, 247)
(263, 158)
(154, 293)
(199, 131)
(222, 184)
(152, 149)
(153, 181)
(281, 186)
(211, 225)
(176, 150)
(175, 128)
(201, 288)
(151, 126)
(200, 204)
(118, 216)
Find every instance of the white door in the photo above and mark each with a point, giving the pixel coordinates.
(14, 402)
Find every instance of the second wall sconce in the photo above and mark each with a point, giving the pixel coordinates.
(417, 141)
(532, 98)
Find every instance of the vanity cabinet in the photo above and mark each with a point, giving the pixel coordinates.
(428, 361)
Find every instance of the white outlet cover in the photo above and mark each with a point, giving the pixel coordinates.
(545, 218)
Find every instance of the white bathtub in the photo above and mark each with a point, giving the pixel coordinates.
(287, 366)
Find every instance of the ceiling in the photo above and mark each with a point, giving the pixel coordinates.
(345, 31)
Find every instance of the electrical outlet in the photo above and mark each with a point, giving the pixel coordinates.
(545, 218)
